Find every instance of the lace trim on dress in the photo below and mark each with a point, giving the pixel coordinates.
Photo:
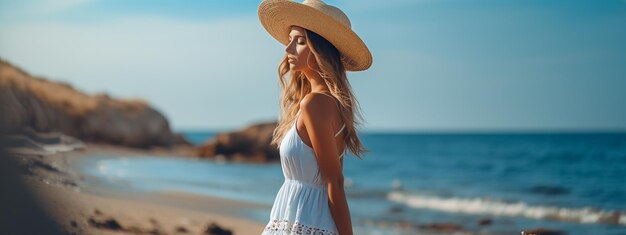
(296, 228)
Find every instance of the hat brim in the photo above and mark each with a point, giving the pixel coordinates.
(277, 17)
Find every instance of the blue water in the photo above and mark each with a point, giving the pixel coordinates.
(572, 182)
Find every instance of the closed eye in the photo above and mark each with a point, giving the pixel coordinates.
(297, 36)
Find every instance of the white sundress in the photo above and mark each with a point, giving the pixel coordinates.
(301, 205)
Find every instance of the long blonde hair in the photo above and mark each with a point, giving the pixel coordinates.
(329, 61)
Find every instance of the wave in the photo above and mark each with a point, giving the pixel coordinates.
(488, 206)
(29, 141)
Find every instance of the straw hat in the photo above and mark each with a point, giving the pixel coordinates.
(277, 17)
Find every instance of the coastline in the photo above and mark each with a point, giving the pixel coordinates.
(83, 206)
(58, 186)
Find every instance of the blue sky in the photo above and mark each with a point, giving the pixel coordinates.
(439, 65)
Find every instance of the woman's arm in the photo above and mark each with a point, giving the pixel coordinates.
(339, 207)
(315, 110)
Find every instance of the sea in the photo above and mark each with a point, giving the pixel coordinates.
(485, 183)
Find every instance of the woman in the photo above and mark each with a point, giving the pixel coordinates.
(317, 115)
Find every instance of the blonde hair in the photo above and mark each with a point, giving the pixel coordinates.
(334, 74)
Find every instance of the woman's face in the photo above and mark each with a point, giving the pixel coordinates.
(298, 50)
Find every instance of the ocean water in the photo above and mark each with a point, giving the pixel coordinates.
(572, 182)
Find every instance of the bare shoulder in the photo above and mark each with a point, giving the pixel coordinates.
(317, 104)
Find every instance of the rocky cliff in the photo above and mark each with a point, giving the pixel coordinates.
(250, 144)
(27, 101)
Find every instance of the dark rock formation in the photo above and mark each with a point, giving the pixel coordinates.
(485, 221)
(441, 227)
(107, 222)
(214, 229)
(544, 231)
(46, 106)
(251, 144)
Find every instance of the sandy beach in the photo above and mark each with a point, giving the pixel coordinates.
(81, 209)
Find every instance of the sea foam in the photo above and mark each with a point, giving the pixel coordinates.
(487, 206)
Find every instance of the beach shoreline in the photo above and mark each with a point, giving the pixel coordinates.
(75, 189)
(58, 186)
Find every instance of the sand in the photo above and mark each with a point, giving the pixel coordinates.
(79, 209)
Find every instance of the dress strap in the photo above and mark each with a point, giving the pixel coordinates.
(295, 123)
(339, 132)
